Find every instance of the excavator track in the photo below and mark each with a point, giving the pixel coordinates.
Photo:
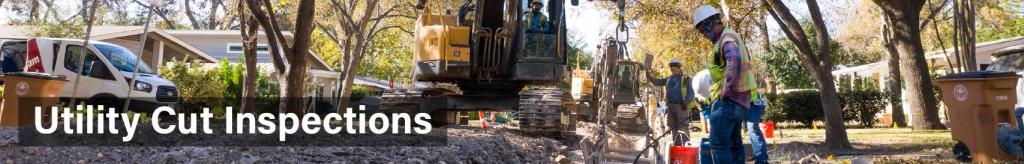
(401, 102)
(542, 109)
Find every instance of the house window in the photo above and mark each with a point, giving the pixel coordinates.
(237, 48)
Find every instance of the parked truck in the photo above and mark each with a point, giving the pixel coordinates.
(105, 76)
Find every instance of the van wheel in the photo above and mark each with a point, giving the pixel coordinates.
(107, 102)
(961, 152)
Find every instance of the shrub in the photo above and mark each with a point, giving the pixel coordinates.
(358, 93)
(774, 111)
(798, 106)
(232, 75)
(217, 88)
(862, 105)
(195, 86)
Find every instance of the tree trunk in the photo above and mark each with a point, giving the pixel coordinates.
(904, 17)
(289, 61)
(766, 47)
(895, 85)
(34, 11)
(295, 75)
(835, 129)
(211, 22)
(248, 28)
(819, 64)
(349, 74)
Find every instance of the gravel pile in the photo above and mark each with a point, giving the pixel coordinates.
(465, 145)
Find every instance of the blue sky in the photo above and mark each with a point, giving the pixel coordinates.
(591, 24)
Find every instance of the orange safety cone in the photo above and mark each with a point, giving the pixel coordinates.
(483, 121)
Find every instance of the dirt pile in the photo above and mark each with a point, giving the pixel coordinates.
(465, 145)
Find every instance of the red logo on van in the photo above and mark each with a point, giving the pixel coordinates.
(33, 63)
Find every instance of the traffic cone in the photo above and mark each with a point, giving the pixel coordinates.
(483, 121)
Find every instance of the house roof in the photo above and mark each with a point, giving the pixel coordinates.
(985, 47)
(110, 32)
(287, 35)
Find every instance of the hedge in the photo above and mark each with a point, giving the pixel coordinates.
(805, 106)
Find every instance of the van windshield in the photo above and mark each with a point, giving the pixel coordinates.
(1008, 63)
(121, 58)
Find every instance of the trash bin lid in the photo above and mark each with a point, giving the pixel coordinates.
(978, 74)
(35, 75)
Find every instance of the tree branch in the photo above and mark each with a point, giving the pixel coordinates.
(933, 12)
(782, 16)
(191, 16)
(824, 60)
(275, 47)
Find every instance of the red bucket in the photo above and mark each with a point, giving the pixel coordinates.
(683, 155)
(768, 128)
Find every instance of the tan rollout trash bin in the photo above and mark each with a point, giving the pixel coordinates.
(28, 89)
(976, 103)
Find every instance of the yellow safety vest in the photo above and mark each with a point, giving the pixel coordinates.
(716, 70)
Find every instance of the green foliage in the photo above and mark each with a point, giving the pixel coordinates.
(798, 106)
(862, 105)
(577, 54)
(196, 86)
(785, 64)
(389, 57)
(858, 97)
(217, 88)
(58, 29)
(231, 76)
(358, 92)
(785, 67)
(861, 99)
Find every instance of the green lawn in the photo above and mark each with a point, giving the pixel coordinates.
(899, 145)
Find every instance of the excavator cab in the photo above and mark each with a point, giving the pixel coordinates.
(480, 55)
(491, 40)
(442, 49)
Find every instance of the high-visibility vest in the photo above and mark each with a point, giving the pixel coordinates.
(684, 86)
(716, 69)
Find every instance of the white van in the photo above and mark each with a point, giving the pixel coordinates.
(1011, 59)
(108, 70)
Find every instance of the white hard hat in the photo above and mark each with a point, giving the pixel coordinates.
(703, 12)
(537, 1)
(674, 60)
(701, 84)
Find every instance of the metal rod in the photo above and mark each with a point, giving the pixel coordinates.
(138, 58)
(85, 47)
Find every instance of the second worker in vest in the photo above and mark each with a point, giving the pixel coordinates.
(678, 96)
(732, 83)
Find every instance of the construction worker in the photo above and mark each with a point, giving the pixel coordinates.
(536, 21)
(678, 96)
(753, 120)
(732, 82)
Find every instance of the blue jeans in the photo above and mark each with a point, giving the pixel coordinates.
(757, 142)
(726, 119)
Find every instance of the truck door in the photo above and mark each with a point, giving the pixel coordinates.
(96, 78)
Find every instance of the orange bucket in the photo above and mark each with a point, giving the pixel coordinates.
(683, 155)
(768, 128)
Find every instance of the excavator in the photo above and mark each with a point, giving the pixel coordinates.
(614, 101)
(482, 57)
